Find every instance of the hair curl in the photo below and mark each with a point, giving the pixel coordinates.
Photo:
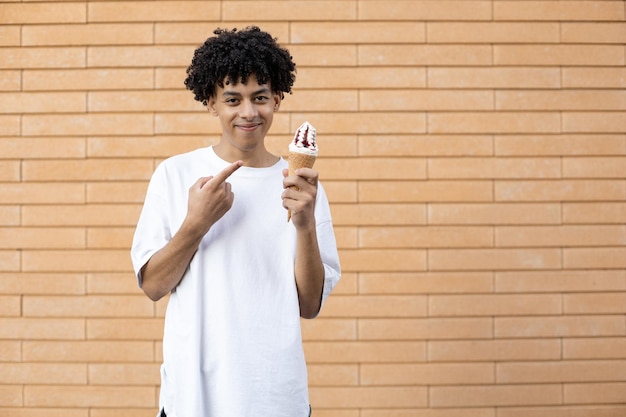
(233, 56)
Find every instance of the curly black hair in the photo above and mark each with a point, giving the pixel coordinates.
(232, 56)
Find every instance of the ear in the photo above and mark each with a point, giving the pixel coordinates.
(210, 105)
(277, 101)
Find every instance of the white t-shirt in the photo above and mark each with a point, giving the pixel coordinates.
(232, 342)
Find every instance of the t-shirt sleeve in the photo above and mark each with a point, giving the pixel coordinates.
(152, 231)
(327, 244)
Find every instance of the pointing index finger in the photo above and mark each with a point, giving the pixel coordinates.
(223, 175)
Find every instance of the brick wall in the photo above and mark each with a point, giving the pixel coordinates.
(475, 157)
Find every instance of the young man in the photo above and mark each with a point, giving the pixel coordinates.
(213, 233)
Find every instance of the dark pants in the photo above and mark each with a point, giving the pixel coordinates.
(164, 415)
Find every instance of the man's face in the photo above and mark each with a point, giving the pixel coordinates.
(245, 112)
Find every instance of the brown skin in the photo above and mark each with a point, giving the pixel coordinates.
(245, 112)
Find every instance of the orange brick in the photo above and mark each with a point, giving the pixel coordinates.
(593, 33)
(11, 395)
(124, 374)
(144, 146)
(590, 393)
(425, 145)
(375, 306)
(425, 237)
(117, 192)
(151, 56)
(425, 329)
(494, 122)
(86, 351)
(86, 396)
(560, 281)
(87, 170)
(88, 79)
(494, 350)
(428, 100)
(321, 100)
(549, 10)
(41, 283)
(560, 190)
(594, 77)
(360, 77)
(42, 57)
(346, 237)
(485, 168)
(9, 170)
(142, 101)
(561, 100)
(595, 348)
(368, 397)
(425, 10)
(561, 371)
(372, 168)
(341, 191)
(10, 306)
(427, 374)
(570, 326)
(364, 352)
(561, 145)
(587, 258)
(53, 12)
(9, 124)
(171, 78)
(558, 55)
(497, 213)
(124, 329)
(11, 351)
(87, 34)
(333, 375)
(10, 80)
(371, 214)
(41, 238)
(42, 328)
(565, 411)
(37, 373)
(445, 412)
(308, 55)
(117, 412)
(383, 259)
(425, 191)
(594, 167)
(325, 329)
(525, 236)
(494, 305)
(113, 283)
(599, 303)
(9, 260)
(75, 260)
(493, 259)
(87, 124)
(606, 212)
(33, 148)
(425, 282)
(493, 32)
(357, 32)
(138, 11)
(109, 238)
(87, 306)
(186, 32)
(81, 215)
(602, 122)
(495, 395)
(419, 55)
(493, 77)
(9, 36)
(289, 10)
(42, 193)
(9, 215)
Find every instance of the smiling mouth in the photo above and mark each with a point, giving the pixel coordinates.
(249, 127)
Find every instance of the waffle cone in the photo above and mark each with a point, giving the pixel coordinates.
(298, 160)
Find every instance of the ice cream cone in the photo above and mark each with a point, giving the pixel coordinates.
(298, 160)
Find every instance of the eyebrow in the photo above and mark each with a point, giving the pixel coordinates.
(263, 90)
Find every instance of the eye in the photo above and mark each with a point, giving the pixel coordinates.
(261, 99)
(231, 101)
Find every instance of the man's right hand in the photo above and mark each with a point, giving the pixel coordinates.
(209, 199)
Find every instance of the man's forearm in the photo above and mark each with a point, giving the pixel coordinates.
(166, 268)
(309, 271)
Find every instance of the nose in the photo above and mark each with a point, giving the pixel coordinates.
(247, 110)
